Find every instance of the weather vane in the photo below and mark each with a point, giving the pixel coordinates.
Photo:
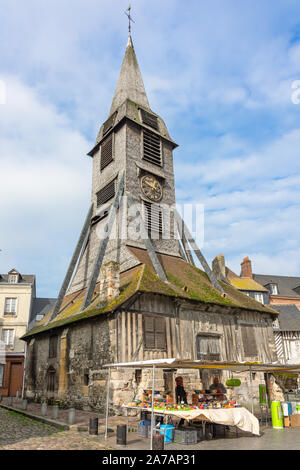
(127, 13)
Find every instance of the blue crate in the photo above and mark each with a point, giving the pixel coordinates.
(170, 429)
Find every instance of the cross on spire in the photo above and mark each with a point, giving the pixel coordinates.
(130, 20)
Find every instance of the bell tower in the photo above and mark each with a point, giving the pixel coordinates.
(134, 143)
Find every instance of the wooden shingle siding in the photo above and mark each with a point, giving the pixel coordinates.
(108, 125)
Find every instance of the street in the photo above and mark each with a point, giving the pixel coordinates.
(21, 433)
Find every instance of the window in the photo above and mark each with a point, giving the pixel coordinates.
(154, 332)
(259, 297)
(208, 348)
(153, 216)
(249, 341)
(51, 377)
(53, 346)
(1, 374)
(273, 288)
(152, 147)
(86, 379)
(106, 152)
(10, 306)
(8, 337)
(13, 278)
(138, 376)
(107, 193)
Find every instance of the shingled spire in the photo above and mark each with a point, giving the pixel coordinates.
(130, 84)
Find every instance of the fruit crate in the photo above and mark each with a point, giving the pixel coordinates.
(185, 436)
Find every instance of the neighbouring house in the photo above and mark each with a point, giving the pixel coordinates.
(135, 296)
(287, 334)
(283, 290)
(282, 293)
(18, 309)
(244, 282)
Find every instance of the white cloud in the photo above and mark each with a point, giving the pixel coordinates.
(45, 181)
(220, 76)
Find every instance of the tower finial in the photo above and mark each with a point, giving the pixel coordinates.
(129, 19)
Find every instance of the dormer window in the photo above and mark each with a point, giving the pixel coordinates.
(273, 289)
(13, 278)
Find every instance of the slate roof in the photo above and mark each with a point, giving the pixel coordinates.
(289, 317)
(130, 84)
(23, 279)
(185, 282)
(41, 306)
(285, 284)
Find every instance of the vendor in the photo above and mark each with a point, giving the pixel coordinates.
(179, 391)
(216, 385)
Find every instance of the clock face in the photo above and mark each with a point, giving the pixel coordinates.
(151, 188)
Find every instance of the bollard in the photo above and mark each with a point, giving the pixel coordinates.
(25, 404)
(93, 426)
(55, 412)
(10, 401)
(71, 417)
(44, 409)
(122, 434)
(158, 442)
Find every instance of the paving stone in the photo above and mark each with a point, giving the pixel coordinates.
(21, 433)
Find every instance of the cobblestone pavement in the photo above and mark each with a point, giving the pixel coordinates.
(20, 433)
(82, 418)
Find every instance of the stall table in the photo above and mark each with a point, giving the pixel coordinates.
(239, 416)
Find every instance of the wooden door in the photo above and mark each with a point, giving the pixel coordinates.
(16, 378)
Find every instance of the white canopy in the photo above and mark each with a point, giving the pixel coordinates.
(174, 363)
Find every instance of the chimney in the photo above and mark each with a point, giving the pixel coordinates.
(218, 266)
(246, 268)
(109, 282)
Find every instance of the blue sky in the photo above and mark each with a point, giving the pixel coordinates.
(219, 73)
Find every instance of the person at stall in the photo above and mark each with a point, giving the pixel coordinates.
(216, 385)
(179, 391)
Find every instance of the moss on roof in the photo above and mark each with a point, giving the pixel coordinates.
(246, 283)
(184, 281)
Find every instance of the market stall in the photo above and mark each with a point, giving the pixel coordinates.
(213, 410)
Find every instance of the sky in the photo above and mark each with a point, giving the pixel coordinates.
(220, 73)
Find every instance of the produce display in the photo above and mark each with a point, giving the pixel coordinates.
(166, 403)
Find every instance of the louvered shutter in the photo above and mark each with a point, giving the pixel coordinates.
(149, 119)
(153, 218)
(107, 193)
(151, 147)
(249, 341)
(106, 152)
(160, 333)
(149, 332)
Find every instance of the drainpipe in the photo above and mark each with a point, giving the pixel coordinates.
(24, 371)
